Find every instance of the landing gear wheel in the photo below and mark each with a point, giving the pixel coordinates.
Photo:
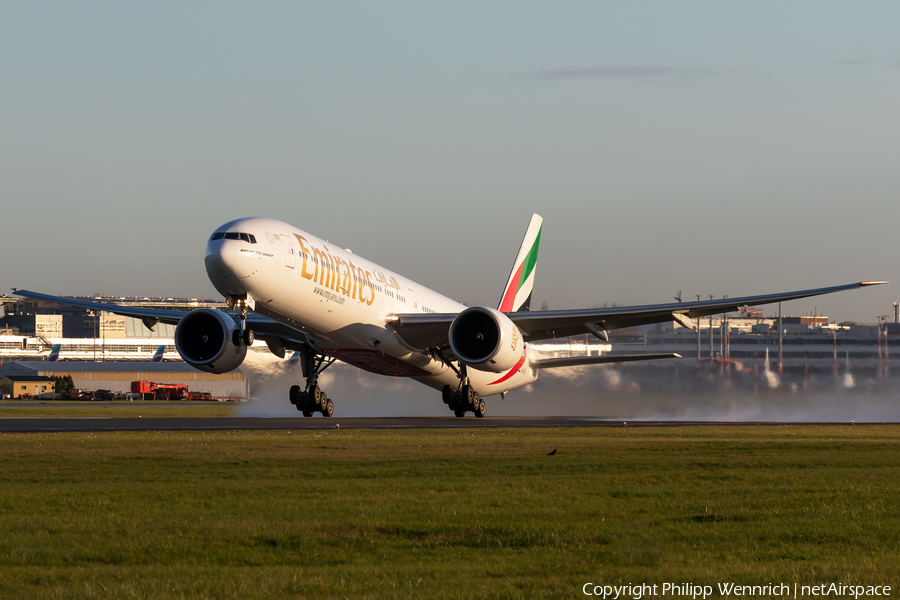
(295, 395)
(307, 413)
(459, 412)
(469, 395)
(317, 397)
(480, 407)
(329, 408)
(248, 337)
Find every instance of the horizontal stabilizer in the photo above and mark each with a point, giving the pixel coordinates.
(574, 361)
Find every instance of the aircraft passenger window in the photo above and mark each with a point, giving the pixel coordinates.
(232, 235)
(245, 237)
(217, 236)
(252, 239)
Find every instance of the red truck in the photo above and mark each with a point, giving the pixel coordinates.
(159, 391)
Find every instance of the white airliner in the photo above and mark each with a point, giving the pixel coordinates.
(301, 293)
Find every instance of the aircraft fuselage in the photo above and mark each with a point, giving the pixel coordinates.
(340, 300)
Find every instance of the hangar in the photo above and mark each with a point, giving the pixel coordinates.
(117, 376)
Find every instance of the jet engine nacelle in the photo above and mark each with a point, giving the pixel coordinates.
(210, 340)
(486, 339)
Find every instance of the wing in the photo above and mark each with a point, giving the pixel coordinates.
(430, 330)
(263, 327)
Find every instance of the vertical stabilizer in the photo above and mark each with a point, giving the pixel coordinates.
(159, 354)
(54, 354)
(517, 293)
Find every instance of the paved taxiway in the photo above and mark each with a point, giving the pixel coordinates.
(11, 425)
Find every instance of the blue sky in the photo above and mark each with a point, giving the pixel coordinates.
(707, 147)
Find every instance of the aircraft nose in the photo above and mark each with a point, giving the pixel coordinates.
(220, 256)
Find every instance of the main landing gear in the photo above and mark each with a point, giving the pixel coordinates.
(312, 399)
(464, 398)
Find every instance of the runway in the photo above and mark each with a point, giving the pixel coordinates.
(26, 425)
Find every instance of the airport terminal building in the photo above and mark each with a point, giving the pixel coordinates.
(99, 350)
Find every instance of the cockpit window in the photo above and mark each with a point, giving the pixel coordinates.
(233, 235)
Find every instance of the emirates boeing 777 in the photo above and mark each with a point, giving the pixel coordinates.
(300, 293)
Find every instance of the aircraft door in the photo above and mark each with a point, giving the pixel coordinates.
(290, 255)
(411, 299)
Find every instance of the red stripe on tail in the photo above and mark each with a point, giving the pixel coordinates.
(510, 297)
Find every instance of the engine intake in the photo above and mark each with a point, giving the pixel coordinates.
(486, 339)
(210, 340)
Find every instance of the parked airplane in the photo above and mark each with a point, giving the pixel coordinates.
(300, 293)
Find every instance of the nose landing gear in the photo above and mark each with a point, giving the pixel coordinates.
(244, 335)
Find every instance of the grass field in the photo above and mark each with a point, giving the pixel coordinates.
(39, 409)
(444, 513)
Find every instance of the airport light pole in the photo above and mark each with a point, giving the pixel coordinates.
(780, 341)
(698, 339)
(698, 333)
(727, 341)
(835, 367)
(882, 347)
